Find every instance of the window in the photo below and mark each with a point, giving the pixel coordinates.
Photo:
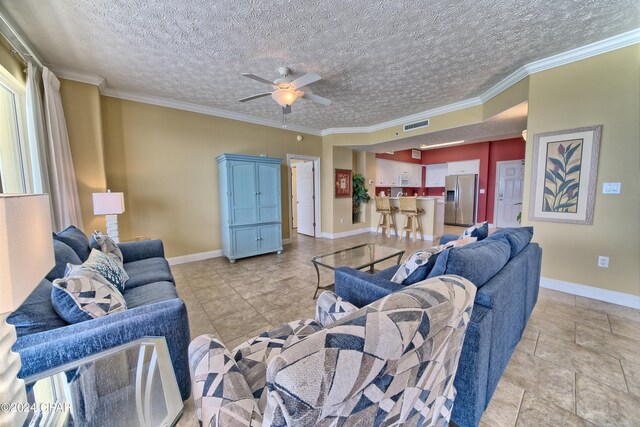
(14, 154)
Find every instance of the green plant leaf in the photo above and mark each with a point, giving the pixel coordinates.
(549, 175)
(565, 185)
(574, 169)
(557, 163)
(570, 152)
(558, 176)
(547, 207)
(565, 205)
(549, 191)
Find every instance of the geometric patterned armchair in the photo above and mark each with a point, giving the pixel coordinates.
(392, 362)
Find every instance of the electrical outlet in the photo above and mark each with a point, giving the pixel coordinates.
(603, 261)
(341, 220)
(611, 188)
(482, 191)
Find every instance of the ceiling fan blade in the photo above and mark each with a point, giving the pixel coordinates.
(258, 79)
(305, 80)
(249, 98)
(316, 98)
(286, 110)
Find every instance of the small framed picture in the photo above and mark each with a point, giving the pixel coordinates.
(343, 183)
(565, 169)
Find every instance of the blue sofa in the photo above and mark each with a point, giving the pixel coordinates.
(46, 341)
(505, 267)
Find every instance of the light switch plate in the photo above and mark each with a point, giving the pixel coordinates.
(482, 191)
(611, 188)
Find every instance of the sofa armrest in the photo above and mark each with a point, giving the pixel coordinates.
(143, 249)
(331, 308)
(360, 288)
(49, 349)
(446, 238)
(221, 393)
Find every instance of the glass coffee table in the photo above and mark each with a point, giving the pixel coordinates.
(129, 385)
(357, 257)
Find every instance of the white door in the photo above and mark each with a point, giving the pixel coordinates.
(509, 193)
(294, 197)
(305, 198)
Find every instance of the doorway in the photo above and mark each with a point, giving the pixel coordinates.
(508, 199)
(304, 195)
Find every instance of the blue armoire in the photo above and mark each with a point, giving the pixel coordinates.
(250, 206)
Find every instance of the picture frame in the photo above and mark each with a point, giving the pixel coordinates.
(343, 183)
(564, 174)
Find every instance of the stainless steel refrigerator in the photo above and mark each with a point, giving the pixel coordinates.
(460, 199)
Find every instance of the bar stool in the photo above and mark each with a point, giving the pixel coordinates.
(409, 208)
(386, 211)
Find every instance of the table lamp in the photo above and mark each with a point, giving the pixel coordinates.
(111, 205)
(26, 256)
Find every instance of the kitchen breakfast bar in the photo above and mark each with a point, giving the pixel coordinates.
(432, 220)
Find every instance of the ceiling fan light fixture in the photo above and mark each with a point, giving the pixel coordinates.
(286, 97)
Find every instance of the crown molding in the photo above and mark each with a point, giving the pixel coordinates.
(202, 109)
(91, 79)
(603, 46)
(461, 105)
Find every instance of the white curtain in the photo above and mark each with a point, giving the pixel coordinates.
(36, 132)
(62, 177)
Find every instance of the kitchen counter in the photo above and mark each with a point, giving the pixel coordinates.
(432, 220)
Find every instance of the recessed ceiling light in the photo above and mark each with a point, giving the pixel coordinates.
(443, 144)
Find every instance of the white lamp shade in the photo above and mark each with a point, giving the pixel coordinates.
(26, 246)
(285, 97)
(108, 203)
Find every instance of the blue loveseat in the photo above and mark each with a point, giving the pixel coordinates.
(505, 267)
(46, 341)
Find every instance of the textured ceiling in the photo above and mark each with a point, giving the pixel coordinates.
(379, 60)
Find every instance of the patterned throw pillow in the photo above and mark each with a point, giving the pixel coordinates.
(107, 245)
(85, 295)
(479, 231)
(416, 260)
(108, 267)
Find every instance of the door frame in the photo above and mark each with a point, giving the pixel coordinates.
(316, 190)
(497, 186)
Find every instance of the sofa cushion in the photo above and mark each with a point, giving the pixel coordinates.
(85, 295)
(36, 313)
(64, 255)
(518, 238)
(416, 267)
(479, 231)
(477, 262)
(147, 271)
(107, 245)
(76, 240)
(106, 266)
(150, 294)
(387, 273)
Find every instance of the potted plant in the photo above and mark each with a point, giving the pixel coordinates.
(360, 195)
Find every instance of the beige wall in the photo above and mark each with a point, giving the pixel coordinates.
(601, 90)
(10, 62)
(83, 117)
(163, 159)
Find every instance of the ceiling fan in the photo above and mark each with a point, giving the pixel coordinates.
(287, 91)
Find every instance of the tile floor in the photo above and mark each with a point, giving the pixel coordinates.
(578, 362)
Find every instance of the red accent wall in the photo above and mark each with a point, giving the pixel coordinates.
(489, 152)
(400, 156)
(459, 153)
(499, 151)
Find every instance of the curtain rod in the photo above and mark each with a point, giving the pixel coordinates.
(16, 40)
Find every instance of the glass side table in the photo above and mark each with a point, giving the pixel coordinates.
(129, 385)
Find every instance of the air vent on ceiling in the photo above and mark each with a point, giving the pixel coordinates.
(416, 125)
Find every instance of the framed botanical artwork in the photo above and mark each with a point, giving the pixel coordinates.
(343, 183)
(565, 168)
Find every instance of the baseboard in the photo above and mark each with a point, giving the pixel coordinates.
(194, 257)
(429, 237)
(345, 233)
(606, 295)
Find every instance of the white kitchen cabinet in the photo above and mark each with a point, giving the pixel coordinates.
(463, 167)
(436, 174)
(388, 172)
